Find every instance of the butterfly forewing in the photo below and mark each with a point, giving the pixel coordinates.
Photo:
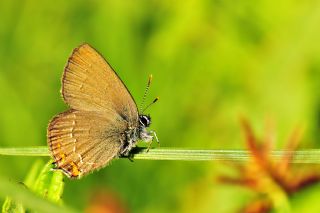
(81, 142)
(90, 84)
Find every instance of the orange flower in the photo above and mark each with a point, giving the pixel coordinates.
(265, 174)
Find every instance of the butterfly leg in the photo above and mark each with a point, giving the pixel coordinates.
(126, 150)
(131, 143)
(130, 156)
(153, 137)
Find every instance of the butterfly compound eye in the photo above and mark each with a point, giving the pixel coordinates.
(145, 120)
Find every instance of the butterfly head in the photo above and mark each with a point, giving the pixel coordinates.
(144, 134)
(145, 120)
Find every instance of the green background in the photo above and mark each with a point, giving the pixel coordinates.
(212, 61)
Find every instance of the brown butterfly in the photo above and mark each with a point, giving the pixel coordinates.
(103, 121)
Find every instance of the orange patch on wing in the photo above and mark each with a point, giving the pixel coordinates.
(62, 157)
(75, 172)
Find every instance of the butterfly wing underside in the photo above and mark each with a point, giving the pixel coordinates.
(91, 133)
(81, 142)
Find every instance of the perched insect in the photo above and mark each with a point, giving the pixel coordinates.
(103, 121)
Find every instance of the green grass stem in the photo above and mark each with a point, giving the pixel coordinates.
(300, 156)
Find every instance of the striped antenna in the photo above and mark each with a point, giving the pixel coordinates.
(145, 93)
(155, 100)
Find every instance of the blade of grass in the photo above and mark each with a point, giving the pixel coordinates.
(164, 153)
(25, 151)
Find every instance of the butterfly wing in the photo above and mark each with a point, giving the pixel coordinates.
(92, 133)
(90, 84)
(81, 141)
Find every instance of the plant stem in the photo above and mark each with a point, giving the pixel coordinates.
(164, 153)
(25, 151)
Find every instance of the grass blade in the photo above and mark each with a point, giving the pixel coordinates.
(164, 153)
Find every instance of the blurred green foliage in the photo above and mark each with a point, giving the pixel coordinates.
(211, 61)
(34, 193)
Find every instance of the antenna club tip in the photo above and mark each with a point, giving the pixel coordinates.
(150, 78)
(156, 99)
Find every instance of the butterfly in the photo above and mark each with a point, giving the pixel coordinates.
(103, 121)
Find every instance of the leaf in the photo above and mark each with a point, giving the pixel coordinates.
(10, 205)
(28, 199)
(49, 184)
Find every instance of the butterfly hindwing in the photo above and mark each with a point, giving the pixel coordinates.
(81, 142)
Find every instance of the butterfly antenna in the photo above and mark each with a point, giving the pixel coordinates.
(145, 93)
(154, 101)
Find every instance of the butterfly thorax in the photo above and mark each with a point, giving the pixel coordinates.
(133, 134)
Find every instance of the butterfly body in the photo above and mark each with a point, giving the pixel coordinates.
(103, 121)
(134, 134)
